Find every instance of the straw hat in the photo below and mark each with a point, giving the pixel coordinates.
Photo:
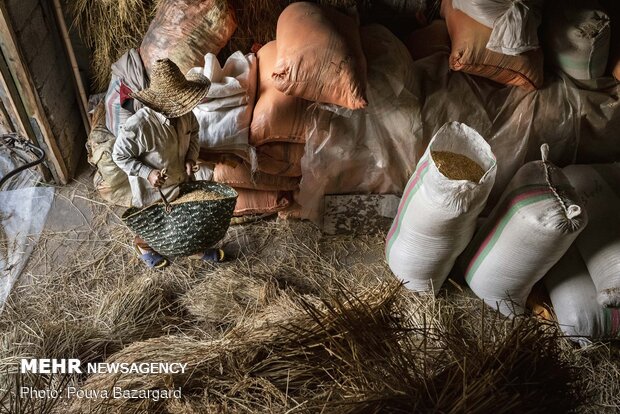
(170, 93)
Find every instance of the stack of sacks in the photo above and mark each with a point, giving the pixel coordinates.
(224, 115)
(259, 193)
(574, 299)
(599, 244)
(279, 122)
(437, 214)
(514, 24)
(185, 30)
(577, 38)
(536, 220)
(316, 57)
(373, 151)
(128, 75)
(470, 54)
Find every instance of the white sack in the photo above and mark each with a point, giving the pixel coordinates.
(599, 244)
(577, 40)
(514, 23)
(536, 220)
(436, 217)
(224, 115)
(573, 297)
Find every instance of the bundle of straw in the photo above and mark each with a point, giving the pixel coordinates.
(110, 28)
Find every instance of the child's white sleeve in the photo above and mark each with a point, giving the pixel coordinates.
(125, 154)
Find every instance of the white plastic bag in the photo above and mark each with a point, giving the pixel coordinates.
(573, 297)
(528, 231)
(599, 244)
(225, 114)
(437, 216)
(514, 23)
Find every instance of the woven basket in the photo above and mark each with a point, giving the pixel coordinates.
(189, 227)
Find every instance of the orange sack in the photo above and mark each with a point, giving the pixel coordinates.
(280, 158)
(241, 177)
(429, 40)
(320, 56)
(260, 202)
(470, 55)
(277, 117)
(186, 30)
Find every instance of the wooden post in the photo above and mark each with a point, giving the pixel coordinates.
(29, 98)
(77, 78)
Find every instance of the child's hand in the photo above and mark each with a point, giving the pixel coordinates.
(156, 178)
(189, 167)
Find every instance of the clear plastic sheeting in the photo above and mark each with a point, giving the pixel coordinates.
(514, 22)
(373, 150)
(23, 213)
(376, 150)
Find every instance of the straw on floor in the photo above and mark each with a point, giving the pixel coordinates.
(295, 323)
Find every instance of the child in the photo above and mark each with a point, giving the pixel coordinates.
(163, 135)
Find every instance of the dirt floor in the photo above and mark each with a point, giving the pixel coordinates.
(293, 321)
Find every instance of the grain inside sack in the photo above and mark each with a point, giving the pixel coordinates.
(456, 166)
(437, 214)
(536, 220)
(599, 244)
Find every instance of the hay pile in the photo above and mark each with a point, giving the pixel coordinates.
(296, 323)
(109, 28)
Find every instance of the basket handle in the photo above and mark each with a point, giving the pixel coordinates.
(168, 206)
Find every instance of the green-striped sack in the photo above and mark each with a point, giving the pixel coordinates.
(573, 297)
(599, 244)
(577, 38)
(437, 216)
(536, 220)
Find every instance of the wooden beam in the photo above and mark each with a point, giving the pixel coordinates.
(80, 90)
(29, 97)
(15, 109)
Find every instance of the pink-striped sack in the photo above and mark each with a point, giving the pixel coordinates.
(437, 216)
(536, 220)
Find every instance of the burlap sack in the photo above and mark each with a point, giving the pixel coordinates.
(320, 56)
(110, 181)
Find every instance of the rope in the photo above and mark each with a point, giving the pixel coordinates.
(571, 211)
